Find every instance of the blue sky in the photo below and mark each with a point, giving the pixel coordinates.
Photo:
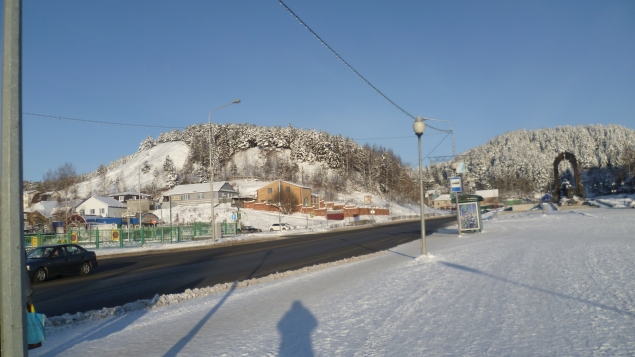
(488, 67)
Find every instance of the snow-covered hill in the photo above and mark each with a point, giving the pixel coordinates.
(523, 160)
(125, 173)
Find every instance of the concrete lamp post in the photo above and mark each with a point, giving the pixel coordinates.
(419, 127)
(211, 166)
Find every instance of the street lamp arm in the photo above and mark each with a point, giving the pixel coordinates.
(451, 131)
(237, 101)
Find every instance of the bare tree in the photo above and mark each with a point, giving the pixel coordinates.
(287, 202)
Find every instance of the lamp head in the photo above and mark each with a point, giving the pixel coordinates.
(419, 126)
(453, 166)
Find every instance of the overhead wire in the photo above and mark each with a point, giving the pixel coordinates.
(43, 116)
(351, 67)
(102, 122)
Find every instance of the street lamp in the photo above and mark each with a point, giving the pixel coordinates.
(211, 166)
(419, 127)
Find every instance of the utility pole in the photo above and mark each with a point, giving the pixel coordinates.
(13, 332)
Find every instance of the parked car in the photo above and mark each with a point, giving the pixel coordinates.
(51, 260)
(249, 229)
(280, 227)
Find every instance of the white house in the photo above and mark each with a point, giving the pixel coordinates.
(490, 196)
(443, 202)
(101, 206)
(200, 193)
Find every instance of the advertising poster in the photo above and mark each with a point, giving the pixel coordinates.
(468, 216)
(367, 200)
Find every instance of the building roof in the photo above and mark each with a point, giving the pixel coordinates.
(443, 198)
(111, 202)
(128, 193)
(195, 188)
(288, 182)
(487, 193)
(46, 208)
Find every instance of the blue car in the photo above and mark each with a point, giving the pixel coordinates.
(60, 259)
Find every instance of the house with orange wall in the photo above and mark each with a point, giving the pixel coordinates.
(269, 192)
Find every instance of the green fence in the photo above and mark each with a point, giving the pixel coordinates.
(122, 237)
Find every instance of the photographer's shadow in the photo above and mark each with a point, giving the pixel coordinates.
(296, 327)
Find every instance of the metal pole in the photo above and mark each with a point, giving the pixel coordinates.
(13, 341)
(423, 219)
(279, 203)
(456, 196)
(170, 218)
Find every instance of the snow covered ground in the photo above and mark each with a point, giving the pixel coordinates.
(558, 284)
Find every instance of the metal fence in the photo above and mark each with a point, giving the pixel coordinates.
(123, 237)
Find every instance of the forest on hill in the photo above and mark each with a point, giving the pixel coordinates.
(520, 162)
(517, 163)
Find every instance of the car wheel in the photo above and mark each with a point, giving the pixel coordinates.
(85, 268)
(271, 229)
(40, 275)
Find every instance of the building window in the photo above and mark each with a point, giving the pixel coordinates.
(121, 198)
(92, 211)
(185, 197)
(306, 202)
(201, 196)
(81, 212)
(270, 190)
(102, 210)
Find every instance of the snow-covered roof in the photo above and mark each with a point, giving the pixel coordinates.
(44, 207)
(487, 193)
(443, 198)
(111, 202)
(128, 193)
(289, 182)
(297, 184)
(194, 188)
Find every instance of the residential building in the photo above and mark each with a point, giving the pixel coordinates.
(490, 197)
(269, 193)
(443, 202)
(101, 206)
(200, 193)
(30, 197)
(51, 196)
(128, 195)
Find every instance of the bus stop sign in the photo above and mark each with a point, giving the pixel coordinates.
(455, 184)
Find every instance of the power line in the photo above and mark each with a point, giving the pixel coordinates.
(349, 66)
(101, 122)
(42, 116)
(446, 135)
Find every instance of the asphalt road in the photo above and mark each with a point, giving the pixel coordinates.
(120, 280)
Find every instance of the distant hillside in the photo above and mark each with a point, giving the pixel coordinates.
(328, 163)
(522, 161)
(516, 163)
